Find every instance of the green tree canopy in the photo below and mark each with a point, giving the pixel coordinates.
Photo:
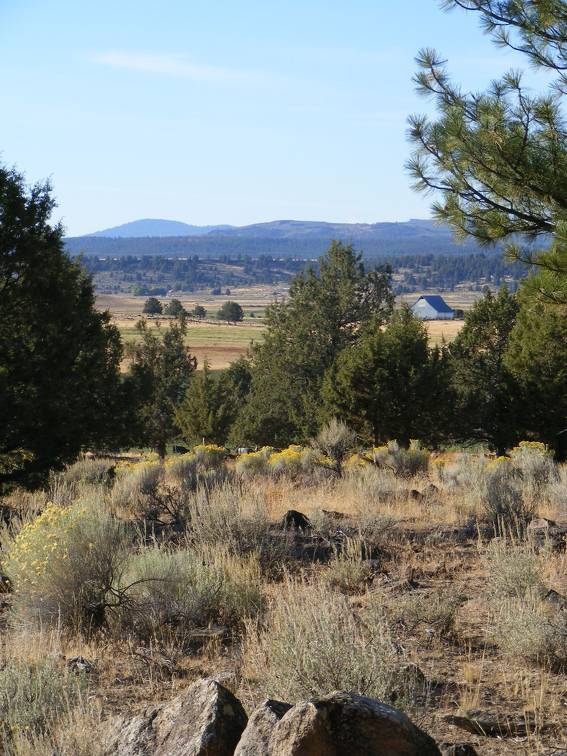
(174, 309)
(231, 311)
(159, 375)
(152, 306)
(211, 403)
(199, 312)
(486, 391)
(390, 384)
(324, 313)
(60, 387)
(498, 159)
(536, 357)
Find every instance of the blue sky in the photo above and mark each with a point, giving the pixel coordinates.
(218, 111)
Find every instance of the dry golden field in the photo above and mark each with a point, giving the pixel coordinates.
(222, 343)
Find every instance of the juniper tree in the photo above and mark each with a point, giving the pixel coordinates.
(390, 384)
(60, 386)
(498, 158)
(487, 394)
(325, 312)
(159, 375)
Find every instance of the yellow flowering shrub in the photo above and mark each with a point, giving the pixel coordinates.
(40, 542)
(63, 563)
(209, 455)
(287, 460)
(254, 463)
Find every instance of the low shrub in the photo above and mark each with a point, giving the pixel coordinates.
(177, 595)
(531, 629)
(90, 471)
(434, 610)
(349, 571)
(404, 463)
(209, 455)
(535, 463)
(255, 463)
(514, 571)
(507, 506)
(312, 642)
(334, 443)
(288, 461)
(32, 696)
(136, 486)
(234, 516)
(465, 470)
(65, 566)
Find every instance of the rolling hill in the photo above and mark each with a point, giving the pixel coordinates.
(281, 238)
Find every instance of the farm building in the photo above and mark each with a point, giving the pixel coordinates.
(432, 308)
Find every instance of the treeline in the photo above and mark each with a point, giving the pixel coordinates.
(397, 241)
(334, 347)
(444, 273)
(154, 275)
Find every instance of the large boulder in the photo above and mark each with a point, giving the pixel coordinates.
(340, 724)
(205, 720)
(256, 737)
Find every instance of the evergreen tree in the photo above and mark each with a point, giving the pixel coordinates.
(60, 386)
(536, 357)
(198, 414)
(499, 158)
(152, 306)
(323, 314)
(174, 309)
(486, 391)
(390, 384)
(211, 403)
(159, 375)
(231, 311)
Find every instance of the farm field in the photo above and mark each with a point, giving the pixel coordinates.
(222, 343)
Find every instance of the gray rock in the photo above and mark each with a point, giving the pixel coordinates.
(345, 724)
(256, 737)
(205, 720)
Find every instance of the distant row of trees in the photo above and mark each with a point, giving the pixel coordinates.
(413, 272)
(230, 311)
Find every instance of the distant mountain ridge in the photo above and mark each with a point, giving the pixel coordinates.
(154, 227)
(279, 238)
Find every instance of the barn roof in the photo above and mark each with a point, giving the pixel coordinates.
(437, 302)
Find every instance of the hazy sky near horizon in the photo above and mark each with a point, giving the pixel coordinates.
(217, 111)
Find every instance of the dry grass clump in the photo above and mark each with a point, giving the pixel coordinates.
(349, 571)
(312, 642)
(177, 594)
